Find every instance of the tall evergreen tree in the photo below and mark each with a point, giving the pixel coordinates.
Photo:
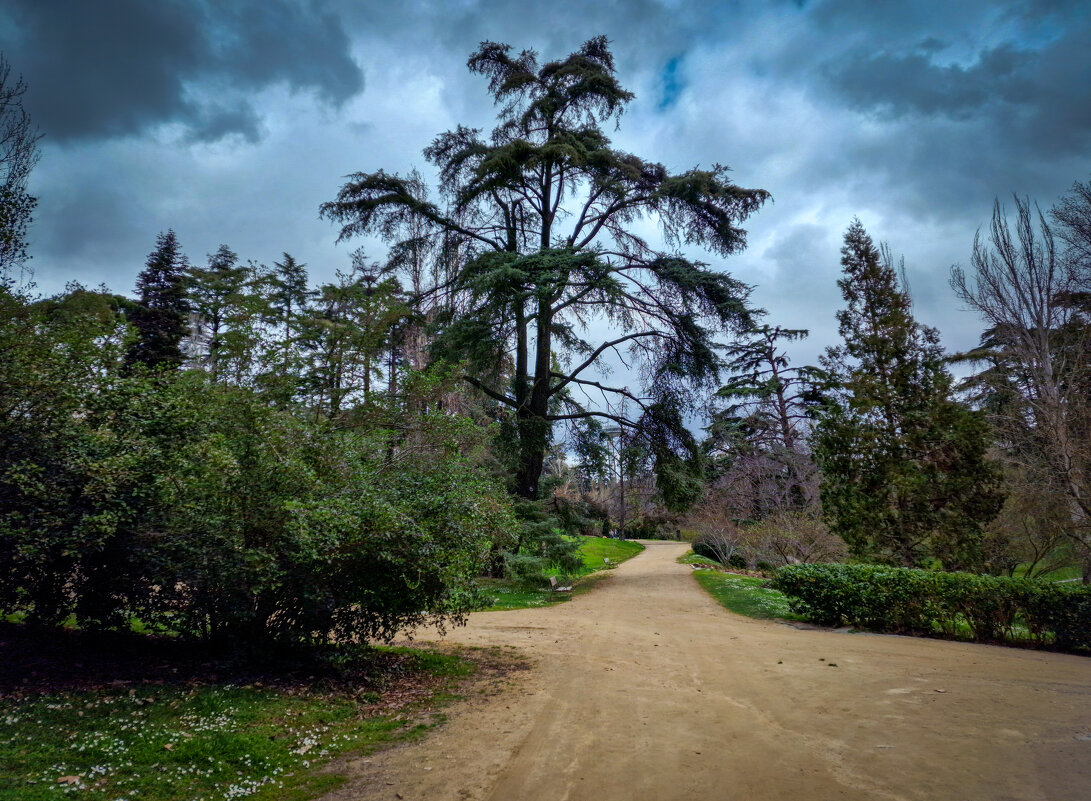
(540, 216)
(904, 473)
(217, 296)
(759, 432)
(288, 297)
(281, 298)
(764, 389)
(352, 326)
(160, 315)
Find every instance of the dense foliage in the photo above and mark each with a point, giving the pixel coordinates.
(903, 600)
(905, 476)
(200, 508)
(537, 241)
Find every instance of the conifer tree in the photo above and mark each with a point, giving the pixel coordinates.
(350, 328)
(760, 431)
(904, 473)
(160, 315)
(283, 298)
(539, 216)
(288, 298)
(217, 296)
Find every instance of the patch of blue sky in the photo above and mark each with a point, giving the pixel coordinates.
(672, 83)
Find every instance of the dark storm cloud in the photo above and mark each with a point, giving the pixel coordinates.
(119, 67)
(897, 84)
(931, 109)
(1041, 94)
(913, 116)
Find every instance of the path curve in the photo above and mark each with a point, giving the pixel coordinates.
(645, 689)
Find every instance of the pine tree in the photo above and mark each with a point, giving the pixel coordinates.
(284, 299)
(288, 299)
(352, 325)
(760, 430)
(218, 294)
(540, 219)
(160, 315)
(904, 473)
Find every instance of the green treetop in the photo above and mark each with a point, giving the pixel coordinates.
(539, 224)
(160, 316)
(904, 474)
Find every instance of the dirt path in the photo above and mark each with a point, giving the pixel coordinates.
(646, 690)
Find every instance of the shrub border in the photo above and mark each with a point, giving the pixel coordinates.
(995, 609)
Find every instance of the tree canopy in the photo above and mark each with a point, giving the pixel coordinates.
(905, 478)
(535, 226)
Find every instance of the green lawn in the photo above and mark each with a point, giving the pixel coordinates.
(690, 558)
(594, 549)
(744, 595)
(159, 742)
(510, 594)
(1060, 574)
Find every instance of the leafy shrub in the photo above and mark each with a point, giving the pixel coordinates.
(994, 608)
(199, 509)
(524, 567)
(540, 543)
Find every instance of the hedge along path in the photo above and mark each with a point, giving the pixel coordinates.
(645, 689)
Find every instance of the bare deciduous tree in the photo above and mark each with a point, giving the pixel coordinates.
(18, 155)
(795, 536)
(1031, 298)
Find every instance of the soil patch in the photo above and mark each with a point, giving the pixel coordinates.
(645, 689)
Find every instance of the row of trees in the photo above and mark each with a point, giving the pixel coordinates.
(211, 509)
(237, 453)
(908, 467)
(328, 348)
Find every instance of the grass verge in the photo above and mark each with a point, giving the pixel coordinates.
(690, 558)
(593, 550)
(510, 594)
(197, 738)
(744, 595)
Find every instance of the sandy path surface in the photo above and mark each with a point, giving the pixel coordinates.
(646, 690)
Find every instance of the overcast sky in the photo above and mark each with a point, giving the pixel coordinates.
(230, 122)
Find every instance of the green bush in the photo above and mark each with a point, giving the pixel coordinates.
(199, 509)
(902, 600)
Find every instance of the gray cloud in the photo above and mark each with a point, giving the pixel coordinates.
(120, 67)
(241, 118)
(897, 84)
